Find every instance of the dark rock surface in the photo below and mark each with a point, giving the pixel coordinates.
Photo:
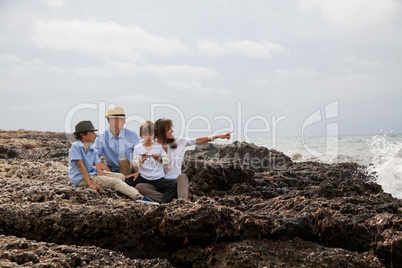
(250, 207)
(15, 252)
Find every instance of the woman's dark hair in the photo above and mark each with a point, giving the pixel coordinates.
(161, 126)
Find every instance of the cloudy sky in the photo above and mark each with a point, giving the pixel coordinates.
(263, 66)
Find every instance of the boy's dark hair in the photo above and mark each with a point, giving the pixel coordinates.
(161, 126)
(78, 136)
(148, 127)
(82, 128)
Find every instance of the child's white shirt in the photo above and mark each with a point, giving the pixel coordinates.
(150, 169)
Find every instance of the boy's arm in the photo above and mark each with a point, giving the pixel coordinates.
(98, 146)
(85, 174)
(102, 167)
(99, 168)
(99, 152)
(137, 158)
(136, 162)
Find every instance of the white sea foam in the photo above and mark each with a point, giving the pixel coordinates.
(381, 153)
(387, 162)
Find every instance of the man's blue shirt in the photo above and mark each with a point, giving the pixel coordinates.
(114, 148)
(77, 152)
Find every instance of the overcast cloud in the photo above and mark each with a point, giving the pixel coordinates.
(212, 65)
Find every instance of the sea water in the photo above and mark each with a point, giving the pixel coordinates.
(381, 154)
(386, 151)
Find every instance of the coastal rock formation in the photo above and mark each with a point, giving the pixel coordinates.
(250, 207)
(15, 252)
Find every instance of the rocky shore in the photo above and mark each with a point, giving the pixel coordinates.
(250, 207)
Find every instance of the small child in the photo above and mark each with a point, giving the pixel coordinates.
(84, 166)
(149, 158)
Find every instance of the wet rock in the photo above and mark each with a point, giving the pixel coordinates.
(20, 252)
(216, 178)
(205, 151)
(258, 158)
(287, 253)
(387, 231)
(241, 154)
(242, 213)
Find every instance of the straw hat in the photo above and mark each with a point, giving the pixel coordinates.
(116, 112)
(84, 126)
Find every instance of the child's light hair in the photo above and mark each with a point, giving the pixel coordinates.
(148, 127)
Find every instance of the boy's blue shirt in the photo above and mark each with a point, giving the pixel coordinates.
(77, 152)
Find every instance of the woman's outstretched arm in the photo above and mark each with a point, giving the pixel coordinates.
(202, 140)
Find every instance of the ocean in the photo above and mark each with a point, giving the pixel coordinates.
(381, 154)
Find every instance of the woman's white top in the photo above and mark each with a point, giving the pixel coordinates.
(173, 170)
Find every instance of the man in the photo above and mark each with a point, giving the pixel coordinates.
(117, 143)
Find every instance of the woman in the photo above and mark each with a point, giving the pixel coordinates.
(175, 147)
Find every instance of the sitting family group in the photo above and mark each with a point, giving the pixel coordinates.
(148, 171)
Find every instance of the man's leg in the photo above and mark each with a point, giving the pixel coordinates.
(182, 186)
(149, 190)
(124, 166)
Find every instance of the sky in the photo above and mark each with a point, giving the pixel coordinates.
(260, 68)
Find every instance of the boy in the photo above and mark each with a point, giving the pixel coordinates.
(149, 158)
(84, 166)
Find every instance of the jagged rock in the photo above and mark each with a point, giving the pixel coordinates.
(258, 158)
(17, 252)
(287, 253)
(240, 214)
(242, 155)
(216, 178)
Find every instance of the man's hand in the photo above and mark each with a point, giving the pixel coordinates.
(134, 175)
